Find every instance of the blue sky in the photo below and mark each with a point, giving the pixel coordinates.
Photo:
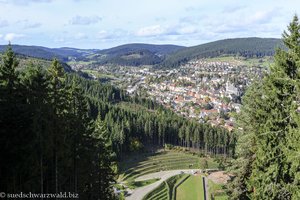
(106, 23)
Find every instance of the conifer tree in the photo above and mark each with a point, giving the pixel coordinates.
(8, 74)
(104, 160)
(11, 121)
(58, 102)
(35, 84)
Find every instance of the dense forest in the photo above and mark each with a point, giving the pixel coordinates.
(62, 132)
(130, 58)
(157, 49)
(48, 143)
(268, 163)
(62, 54)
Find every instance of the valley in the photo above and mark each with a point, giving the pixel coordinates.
(150, 100)
(160, 127)
(170, 128)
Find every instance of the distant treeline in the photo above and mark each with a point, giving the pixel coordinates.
(132, 58)
(161, 56)
(244, 47)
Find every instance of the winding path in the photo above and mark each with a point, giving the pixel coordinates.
(139, 193)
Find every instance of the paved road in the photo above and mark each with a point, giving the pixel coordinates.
(139, 193)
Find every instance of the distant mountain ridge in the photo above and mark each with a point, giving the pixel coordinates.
(245, 47)
(135, 54)
(155, 48)
(111, 55)
(170, 56)
(62, 53)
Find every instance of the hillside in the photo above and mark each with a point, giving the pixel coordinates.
(159, 55)
(129, 58)
(129, 54)
(25, 61)
(133, 54)
(157, 49)
(63, 54)
(245, 47)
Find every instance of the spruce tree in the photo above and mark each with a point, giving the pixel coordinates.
(8, 74)
(58, 102)
(104, 161)
(11, 122)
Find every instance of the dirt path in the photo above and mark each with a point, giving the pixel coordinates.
(139, 193)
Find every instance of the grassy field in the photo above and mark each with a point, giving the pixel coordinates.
(223, 197)
(98, 74)
(217, 190)
(142, 164)
(82, 63)
(191, 189)
(165, 190)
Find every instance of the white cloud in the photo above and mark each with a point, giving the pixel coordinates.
(80, 36)
(168, 31)
(246, 24)
(59, 40)
(103, 35)
(262, 16)
(233, 8)
(84, 20)
(32, 25)
(24, 2)
(1, 36)
(187, 30)
(115, 34)
(26, 24)
(173, 20)
(151, 31)
(3, 23)
(12, 36)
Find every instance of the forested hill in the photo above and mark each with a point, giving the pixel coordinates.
(136, 54)
(63, 54)
(159, 55)
(158, 49)
(132, 54)
(45, 63)
(246, 47)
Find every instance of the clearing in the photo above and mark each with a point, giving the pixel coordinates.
(191, 189)
(143, 164)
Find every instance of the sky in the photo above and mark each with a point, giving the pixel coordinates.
(100, 24)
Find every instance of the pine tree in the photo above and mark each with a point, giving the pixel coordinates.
(8, 74)
(58, 101)
(35, 84)
(11, 122)
(104, 160)
(246, 144)
(291, 63)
